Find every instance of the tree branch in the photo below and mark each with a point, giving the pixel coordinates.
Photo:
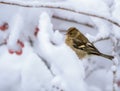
(3, 43)
(101, 39)
(115, 42)
(65, 19)
(46, 64)
(56, 6)
(93, 70)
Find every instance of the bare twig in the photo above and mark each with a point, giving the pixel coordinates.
(58, 6)
(47, 64)
(3, 43)
(114, 80)
(65, 19)
(114, 76)
(93, 70)
(101, 39)
(115, 45)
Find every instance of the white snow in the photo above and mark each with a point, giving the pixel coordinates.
(15, 31)
(73, 72)
(58, 38)
(113, 68)
(27, 72)
(47, 63)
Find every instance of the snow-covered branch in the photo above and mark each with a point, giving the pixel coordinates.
(101, 39)
(46, 49)
(35, 30)
(62, 6)
(65, 19)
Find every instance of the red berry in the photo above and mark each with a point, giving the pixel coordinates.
(19, 52)
(11, 51)
(20, 43)
(4, 27)
(36, 31)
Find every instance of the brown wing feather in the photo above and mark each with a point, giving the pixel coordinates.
(87, 47)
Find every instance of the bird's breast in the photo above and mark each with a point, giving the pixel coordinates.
(80, 53)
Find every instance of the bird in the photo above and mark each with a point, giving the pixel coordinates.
(81, 45)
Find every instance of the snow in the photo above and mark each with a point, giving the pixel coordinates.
(101, 81)
(116, 61)
(58, 38)
(92, 6)
(113, 68)
(80, 5)
(47, 63)
(23, 71)
(15, 31)
(116, 14)
(72, 73)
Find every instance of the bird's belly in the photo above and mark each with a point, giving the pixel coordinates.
(81, 54)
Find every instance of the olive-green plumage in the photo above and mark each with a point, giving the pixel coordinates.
(81, 45)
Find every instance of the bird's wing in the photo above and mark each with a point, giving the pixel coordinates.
(78, 44)
(88, 47)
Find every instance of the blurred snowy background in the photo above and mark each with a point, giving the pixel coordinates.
(34, 56)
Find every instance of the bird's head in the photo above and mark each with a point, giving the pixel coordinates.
(72, 32)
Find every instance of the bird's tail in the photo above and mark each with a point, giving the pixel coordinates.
(107, 56)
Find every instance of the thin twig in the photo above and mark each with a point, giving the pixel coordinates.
(54, 6)
(114, 77)
(93, 70)
(47, 65)
(3, 43)
(65, 19)
(115, 63)
(101, 39)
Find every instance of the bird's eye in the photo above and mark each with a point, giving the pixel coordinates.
(70, 33)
